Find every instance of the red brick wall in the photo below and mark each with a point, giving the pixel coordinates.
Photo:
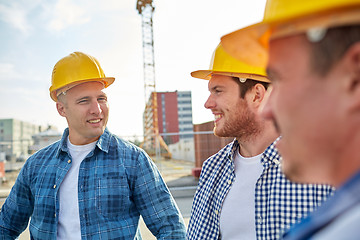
(207, 144)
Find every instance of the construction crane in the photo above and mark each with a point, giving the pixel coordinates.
(152, 140)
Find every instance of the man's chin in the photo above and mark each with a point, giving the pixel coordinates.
(218, 133)
(224, 132)
(291, 173)
(288, 163)
(98, 131)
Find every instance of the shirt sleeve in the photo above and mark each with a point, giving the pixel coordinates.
(155, 202)
(16, 210)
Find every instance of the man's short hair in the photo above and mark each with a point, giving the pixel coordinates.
(326, 52)
(248, 85)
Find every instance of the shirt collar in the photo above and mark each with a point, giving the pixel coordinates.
(233, 147)
(271, 155)
(103, 143)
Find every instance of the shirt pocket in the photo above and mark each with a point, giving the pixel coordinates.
(112, 196)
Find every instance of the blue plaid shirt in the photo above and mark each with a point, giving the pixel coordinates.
(338, 218)
(118, 182)
(278, 202)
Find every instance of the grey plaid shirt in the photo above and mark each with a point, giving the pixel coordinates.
(278, 202)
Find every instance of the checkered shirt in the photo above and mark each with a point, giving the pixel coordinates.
(334, 219)
(278, 202)
(118, 182)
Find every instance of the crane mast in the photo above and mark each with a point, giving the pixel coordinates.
(152, 139)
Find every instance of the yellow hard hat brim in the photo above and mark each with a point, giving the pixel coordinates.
(250, 44)
(107, 81)
(206, 75)
(202, 74)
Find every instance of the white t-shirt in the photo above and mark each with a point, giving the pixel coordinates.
(237, 218)
(69, 220)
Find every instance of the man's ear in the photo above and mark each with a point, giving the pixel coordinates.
(258, 93)
(60, 108)
(352, 63)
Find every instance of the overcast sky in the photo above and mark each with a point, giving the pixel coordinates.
(36, 34)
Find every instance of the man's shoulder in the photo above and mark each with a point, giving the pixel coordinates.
(43, 156)
(222, 153)
(125, 147)
(219, 158)
(47, 151)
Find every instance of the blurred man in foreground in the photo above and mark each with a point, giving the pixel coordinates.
(312, 50)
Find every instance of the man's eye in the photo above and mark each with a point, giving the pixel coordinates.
(82, 101)
(102, 99)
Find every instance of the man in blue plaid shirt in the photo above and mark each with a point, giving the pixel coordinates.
(311, 49)
(242, 193)
(90, 184)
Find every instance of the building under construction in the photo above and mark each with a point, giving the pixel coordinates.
(174, 119)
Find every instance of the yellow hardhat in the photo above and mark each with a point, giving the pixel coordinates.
(288, 17)
(75, 69)
(224, 64)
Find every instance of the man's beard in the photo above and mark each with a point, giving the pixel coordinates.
(243, 124)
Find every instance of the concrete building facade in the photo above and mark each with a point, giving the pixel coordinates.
(16, 138)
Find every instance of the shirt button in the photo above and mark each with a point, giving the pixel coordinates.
(54, 185)
(260, 220)
(216, 212)
(69, 161)
(55, 215)
(229, 181)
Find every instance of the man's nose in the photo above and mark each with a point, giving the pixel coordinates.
(95, 108)
(210, 103)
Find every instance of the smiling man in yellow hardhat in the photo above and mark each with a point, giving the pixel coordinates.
(91, 184)
(311, 50)
(236, 196)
